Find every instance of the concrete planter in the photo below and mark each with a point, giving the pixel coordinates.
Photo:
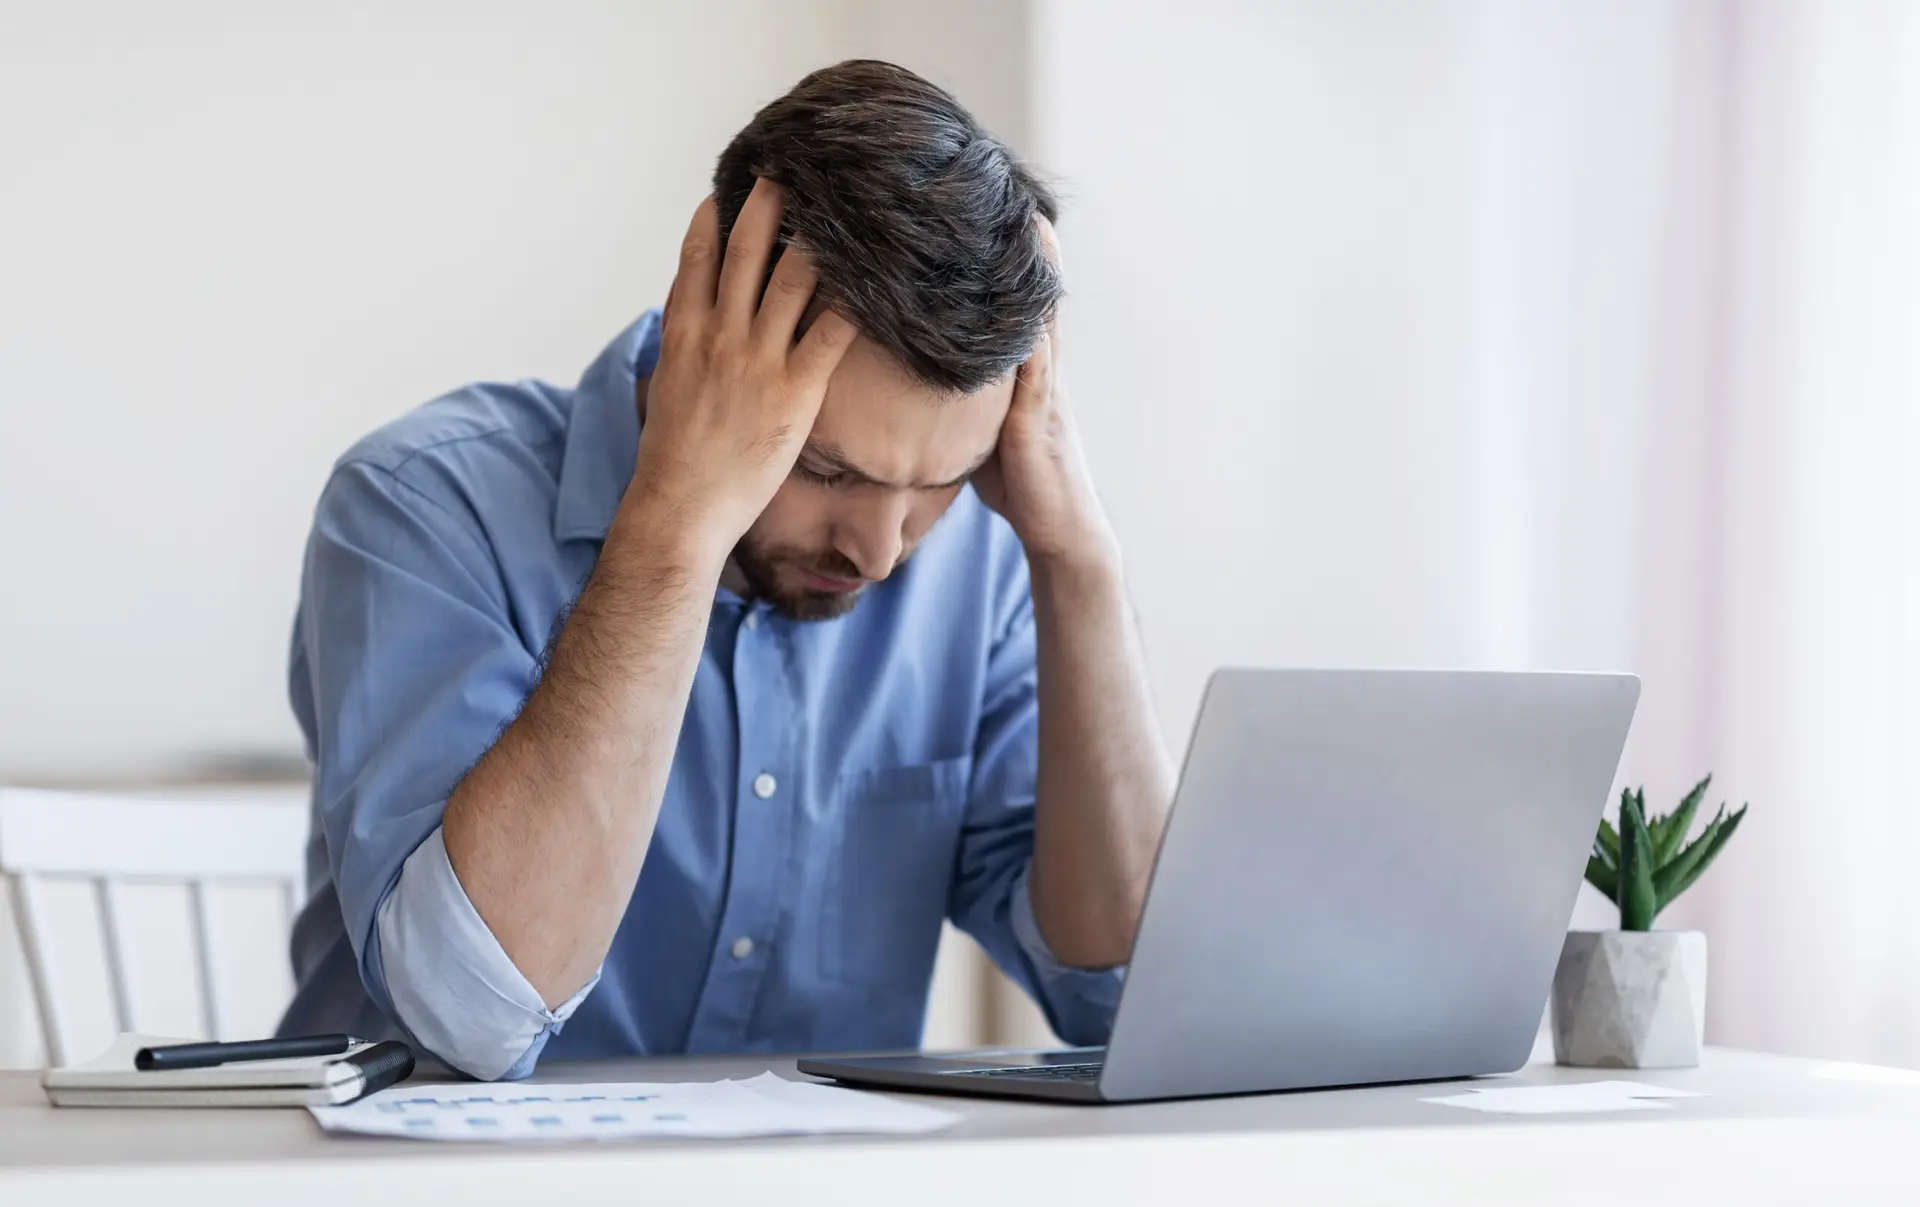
(1630, 999)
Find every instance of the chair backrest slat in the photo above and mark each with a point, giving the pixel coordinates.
(206, 961)
(113, 931)
(220, 836)
(27, 915)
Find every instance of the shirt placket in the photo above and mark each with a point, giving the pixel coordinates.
(764, 782)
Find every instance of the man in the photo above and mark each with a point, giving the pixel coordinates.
(674, 712)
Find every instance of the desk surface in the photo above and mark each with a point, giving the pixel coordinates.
(1773, 1128)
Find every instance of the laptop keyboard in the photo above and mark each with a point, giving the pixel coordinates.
(1086, 1072)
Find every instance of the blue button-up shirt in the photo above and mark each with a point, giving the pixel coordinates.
(839, 788)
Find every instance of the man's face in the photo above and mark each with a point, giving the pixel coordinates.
(886, 457)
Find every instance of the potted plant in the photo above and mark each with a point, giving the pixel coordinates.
(1635, 998)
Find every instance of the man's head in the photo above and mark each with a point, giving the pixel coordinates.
(923, 228)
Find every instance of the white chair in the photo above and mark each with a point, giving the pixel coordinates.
(110, 840)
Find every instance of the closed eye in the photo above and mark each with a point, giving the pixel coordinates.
(819, 479)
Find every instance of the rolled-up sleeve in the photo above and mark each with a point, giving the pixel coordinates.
(450, 980)
(989, 897)
(415, 668)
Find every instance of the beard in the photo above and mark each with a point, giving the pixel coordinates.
(761, 566)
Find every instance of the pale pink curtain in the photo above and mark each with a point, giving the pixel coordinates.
(1804, 645)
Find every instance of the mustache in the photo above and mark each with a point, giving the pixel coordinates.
(835, 565)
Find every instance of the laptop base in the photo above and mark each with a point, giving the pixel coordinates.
(997, 1074)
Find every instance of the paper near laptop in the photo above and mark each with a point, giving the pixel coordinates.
(1578, 1098)
(765, 1106)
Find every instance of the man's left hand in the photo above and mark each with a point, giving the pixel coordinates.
(1037, 477)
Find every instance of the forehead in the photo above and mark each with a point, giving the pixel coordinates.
(898, 429)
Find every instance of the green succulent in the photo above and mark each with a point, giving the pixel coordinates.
(1648, 862)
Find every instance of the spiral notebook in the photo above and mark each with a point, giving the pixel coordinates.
(111, 1080)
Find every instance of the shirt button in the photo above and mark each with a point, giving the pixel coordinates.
(764, 785)
(742, 947)
(753, 620)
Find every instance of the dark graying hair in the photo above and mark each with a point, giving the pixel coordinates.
(922, 223)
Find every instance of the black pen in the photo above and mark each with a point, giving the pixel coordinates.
(204, 1056)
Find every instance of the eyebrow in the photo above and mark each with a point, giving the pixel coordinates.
(832, 459)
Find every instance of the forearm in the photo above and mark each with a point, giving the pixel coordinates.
(548, 830)
(1105, 781)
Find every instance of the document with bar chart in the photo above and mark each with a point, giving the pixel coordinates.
(764, 1106)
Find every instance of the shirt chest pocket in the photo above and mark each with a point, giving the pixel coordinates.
(894, 834)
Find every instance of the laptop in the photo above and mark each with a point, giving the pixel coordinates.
(1366, 878)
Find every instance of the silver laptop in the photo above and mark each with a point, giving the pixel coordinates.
(1366, 878)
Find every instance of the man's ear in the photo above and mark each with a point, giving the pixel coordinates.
(1049, 242)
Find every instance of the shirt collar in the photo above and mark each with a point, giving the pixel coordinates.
(603, 434)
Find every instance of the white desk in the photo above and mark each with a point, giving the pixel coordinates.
(1771, 1131)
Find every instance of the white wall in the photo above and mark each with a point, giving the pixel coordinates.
(1359, 357)
(1368, 342)
(236, 236)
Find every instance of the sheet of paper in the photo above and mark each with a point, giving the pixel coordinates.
(765, 1106)
(1864, 1074)
(1584, 1097)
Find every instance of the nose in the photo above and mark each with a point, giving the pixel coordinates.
(872, 534)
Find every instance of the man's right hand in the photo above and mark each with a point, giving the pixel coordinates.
(733, 396)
